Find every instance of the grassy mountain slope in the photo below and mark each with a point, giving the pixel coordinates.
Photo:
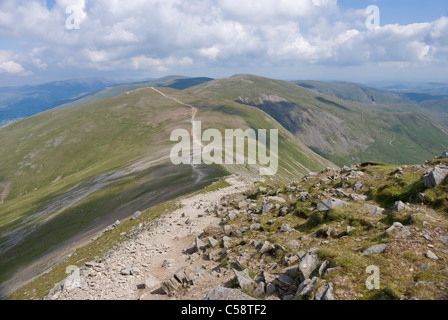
(339, 130)
(175, 82)
(66, 174)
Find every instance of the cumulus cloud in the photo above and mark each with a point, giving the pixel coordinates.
(8, 65)
(164, 35)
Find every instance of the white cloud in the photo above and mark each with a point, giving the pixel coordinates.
(8, 63)
(163, 35)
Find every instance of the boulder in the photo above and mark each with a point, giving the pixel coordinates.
(435, 176)
(136, 215)
(308, 264)
(304, 196)
(263, 247)
(182, 278)
(125, 272)
(399, 206)
(323, 268)
(266, 207)
(260, 291)
(221, 293)
(283, 282)
(358, 187)
(285, 228)
(306, 287)
(151, 282)
(255, 226)
(329, 204)
(445, 155)
(243, 204)
(374, 210)
(212, 242)
(379, 248)
(397, 230)
(325, 293)
(431, 255)
(421, 197)
(243, 278)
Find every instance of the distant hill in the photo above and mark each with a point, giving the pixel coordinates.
(343, 122)
(22, 102)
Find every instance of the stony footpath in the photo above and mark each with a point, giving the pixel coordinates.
(137, 268)
(320, 238)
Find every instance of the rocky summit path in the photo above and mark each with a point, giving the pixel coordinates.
(137, 267)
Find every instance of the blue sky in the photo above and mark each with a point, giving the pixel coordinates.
(285, 39)
(403, 12)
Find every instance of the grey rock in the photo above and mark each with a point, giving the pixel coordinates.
(358, 186)
(374, 210)
(151, 282)
(306, 287)
(170, 286)
(264, 247)
(431, 255)
(228, 229)
(242, 204)
(136, 215)
(135, 271)
(182, 278)
(399, 206)
(445, 155)
(212, 242)
(325, 293)
(243, 278)
(444, 239)
(304, 196)
(323, 267)
(231, 216)
(424, 266)
(285, 228)
(126, 272)
(167, 263)
(435, 176)
(330, 270)
(397, 230)
(350, 229)
(283, 282)
(255, 226)
(341, 193)
(226, 294)
(266, 207)
(270, 289)
(276, 199)
(308, 264)
(421, 197)
(329, 204)
(260, 291)
(358, 197)
(376, 249)
(293, 244)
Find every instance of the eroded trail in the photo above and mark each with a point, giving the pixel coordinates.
(194, 110)
(197, 142)
(155, 254)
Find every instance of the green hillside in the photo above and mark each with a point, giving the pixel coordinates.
(66, 174)
(340, 130)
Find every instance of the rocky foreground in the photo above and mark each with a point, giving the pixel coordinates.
(371, 231)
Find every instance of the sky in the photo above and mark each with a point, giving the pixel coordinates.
(48, 40)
